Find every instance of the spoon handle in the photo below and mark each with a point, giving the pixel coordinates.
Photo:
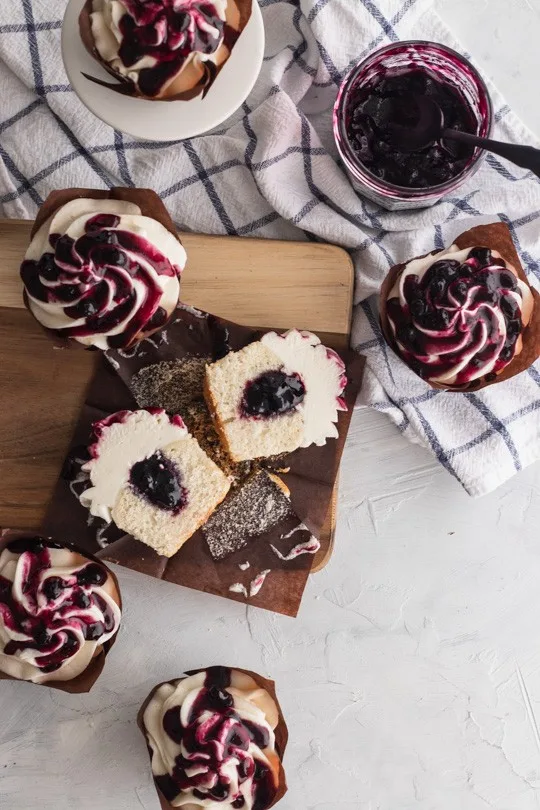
(525, 156)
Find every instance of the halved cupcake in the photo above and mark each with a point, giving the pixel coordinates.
(276, 395)
(150, 476)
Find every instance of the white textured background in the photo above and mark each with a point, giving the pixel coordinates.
(410, 680)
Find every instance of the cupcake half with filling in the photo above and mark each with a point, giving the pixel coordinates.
(166, 50)
(103, 268)
(59, 612)
(276, 395)
(151, 477)
(216, 738)
(463, 317)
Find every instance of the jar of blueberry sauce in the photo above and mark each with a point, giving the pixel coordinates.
(380, 91)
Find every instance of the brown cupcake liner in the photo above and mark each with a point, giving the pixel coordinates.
(149, 203)
(309, 474)
(495, 236)
(86, 679)
(127, 88)
(281, 731)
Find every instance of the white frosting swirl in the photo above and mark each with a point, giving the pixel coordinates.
(52, 625)
(214, 744)
(457, 318)
(100, 272)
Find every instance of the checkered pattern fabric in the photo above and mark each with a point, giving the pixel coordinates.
(272, 171)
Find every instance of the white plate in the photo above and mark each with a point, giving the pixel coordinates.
(164, 120)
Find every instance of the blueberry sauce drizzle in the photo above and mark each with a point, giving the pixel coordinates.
(93, 278)
(214, 736)
(168, 32)
(272, 394)
(55, 614)
(158, 480)
(390, 100)
(451, 314)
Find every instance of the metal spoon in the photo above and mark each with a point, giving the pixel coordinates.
(430, 128)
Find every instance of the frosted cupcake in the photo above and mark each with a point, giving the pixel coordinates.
(59, 612)
(103, 268)
(216, 738)
(165, 49)
(464, 317)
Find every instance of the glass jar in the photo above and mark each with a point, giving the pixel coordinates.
(448, 67)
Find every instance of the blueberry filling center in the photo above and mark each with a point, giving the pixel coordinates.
(272, 394)
(157, 479)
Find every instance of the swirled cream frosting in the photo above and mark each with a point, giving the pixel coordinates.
(100, 272)
(212, 741)
(57, 609)
(164, 47)
(458, 315)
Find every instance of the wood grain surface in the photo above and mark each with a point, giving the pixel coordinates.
(256, 282)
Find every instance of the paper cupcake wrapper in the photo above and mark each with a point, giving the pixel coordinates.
(85, 681)
(127, 88)
(310, 476)
(147, 200)
(281, 732)
(495, 236)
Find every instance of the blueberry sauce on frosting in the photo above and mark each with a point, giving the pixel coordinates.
(211, 737)
(150, 43)
(458, 315)
(101, 273)
(56, 607)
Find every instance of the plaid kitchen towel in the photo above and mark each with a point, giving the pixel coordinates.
(272, 172)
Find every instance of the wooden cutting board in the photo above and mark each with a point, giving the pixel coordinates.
(251, 281)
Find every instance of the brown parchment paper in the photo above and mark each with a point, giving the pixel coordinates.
(87, 678)
(281, 732)
(495, 236)
(310, 476)
(147, 200)
(208, 71)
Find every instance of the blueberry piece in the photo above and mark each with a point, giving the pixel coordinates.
(94, 631)
(52, 588)
(92, 574)
(417, 307)
(41, 636)
(82, 600)
(483, 255)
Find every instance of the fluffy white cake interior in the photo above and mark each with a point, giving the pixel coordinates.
(249, 438)
(206, 486)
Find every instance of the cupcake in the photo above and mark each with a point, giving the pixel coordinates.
(103, 268)
(276, 395)
(60, 611)
(151, 477)
(165, 49)
(216, 738)
(463, 317)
